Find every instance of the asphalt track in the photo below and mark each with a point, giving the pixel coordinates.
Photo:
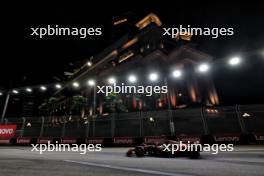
(20, 161)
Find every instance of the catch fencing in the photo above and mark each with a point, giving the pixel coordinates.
(190, 121)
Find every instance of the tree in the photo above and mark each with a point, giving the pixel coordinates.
(114, 103)
(48, 106)
(78, 104)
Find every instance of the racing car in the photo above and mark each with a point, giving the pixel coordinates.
(158, 150)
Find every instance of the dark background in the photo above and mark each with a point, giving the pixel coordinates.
(27, 60)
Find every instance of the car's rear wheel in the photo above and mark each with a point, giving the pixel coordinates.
(152, 151)
(139, 151)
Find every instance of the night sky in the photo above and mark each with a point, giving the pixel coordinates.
(27, 60)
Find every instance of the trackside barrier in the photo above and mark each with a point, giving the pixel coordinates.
(23, 140)
(226, 138)
(154, 139)
(69, 140)
(259, 137)
(123, 141)
(5, 141)
(44, 140)
(249, 138)
(191, 138)
(94, 140)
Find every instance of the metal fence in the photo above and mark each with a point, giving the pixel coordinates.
(197, 121)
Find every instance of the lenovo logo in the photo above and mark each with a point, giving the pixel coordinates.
(7, 131)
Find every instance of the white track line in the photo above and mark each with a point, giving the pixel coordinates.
(127, 168)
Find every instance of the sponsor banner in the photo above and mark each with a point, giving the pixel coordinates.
(68, 140)
(259, 137)
(154, 139)
(191, 138)
(7, 131)
(23, 140)
(44, 140)
(123, 140)
(4, 141)
(94, 140)
(226, 138)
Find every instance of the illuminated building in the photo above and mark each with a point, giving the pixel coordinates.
(148, 49)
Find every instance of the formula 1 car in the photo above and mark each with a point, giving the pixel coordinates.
(158, 150)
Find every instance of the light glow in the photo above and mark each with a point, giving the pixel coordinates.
(89, 63)
(234, 61)
(75, 84)
(153, 76)
(203, 68)
(28, 89)
(58, 86)
(43, 88)
(177, 73)
(111, 80)
(132, 78)
(15, 91)
(91, 82)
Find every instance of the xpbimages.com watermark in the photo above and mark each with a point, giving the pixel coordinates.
(56, 30)
(192, 147)
(81, 149)
(129, 89)
(174, 32)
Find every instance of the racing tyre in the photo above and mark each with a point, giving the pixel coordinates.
(139, 151)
